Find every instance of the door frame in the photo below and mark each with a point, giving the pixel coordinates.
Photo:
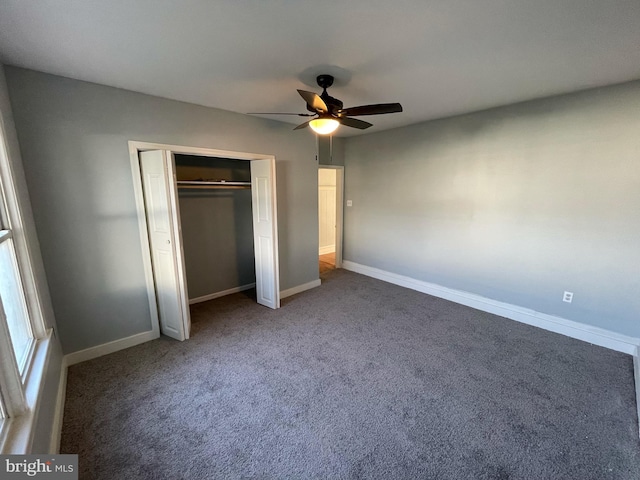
(135, 147)
(339, 209)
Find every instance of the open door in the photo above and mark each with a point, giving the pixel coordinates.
(163, 223)
(265, 231)
(161, 235)
(330, 216)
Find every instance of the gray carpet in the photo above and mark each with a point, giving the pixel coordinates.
(355, 379)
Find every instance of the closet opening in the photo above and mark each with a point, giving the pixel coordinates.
(208, 228)
(214, 198)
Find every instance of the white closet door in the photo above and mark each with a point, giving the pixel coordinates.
(263, 202)
(163, 221)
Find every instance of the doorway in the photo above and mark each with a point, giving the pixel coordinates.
(155, 186)
(330, 213)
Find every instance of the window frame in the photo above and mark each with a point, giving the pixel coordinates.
(19, 390)
(24, 363)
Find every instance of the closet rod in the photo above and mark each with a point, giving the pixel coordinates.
(221, 182)
(213, 187)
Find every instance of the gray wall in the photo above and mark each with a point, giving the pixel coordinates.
(331, 150)
(517, 204)
(74, 138)
(43, 426)
(217, 226)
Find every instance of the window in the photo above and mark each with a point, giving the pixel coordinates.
(13, 302)
(23, 338)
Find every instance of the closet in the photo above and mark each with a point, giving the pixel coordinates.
(214, 198)
(208, 227)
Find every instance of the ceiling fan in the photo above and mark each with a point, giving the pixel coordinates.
(329, 112)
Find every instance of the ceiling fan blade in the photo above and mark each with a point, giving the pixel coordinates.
(376, 109)
(314, 101)
(302, 125)
(281, 113)
(354, 122)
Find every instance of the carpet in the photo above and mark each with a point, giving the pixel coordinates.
(354, 379)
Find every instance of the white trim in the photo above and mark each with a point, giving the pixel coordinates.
(223, 293)
(300, 288)
(327, 249)
(206, 152)
(636, 376)
(339, 214)
(58, 415)
(580, 331)
(110, 347)
(20, 429)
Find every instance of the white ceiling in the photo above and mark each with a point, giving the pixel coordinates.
(438, 58)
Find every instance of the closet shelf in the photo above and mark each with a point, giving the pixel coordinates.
(212, 184)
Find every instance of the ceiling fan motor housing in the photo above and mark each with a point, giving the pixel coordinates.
(324, 82)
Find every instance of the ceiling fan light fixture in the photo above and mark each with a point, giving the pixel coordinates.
(324, 126)
(328, 112)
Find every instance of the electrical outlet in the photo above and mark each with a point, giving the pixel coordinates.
(349, 203)
(567, 297)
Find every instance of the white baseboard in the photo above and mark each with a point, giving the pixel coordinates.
(300, 288)
(327, 249)
(636, 375)
(107, 348)
(121, 344)
(580, 331)
(56, 429)
(560, 325)
(223, 293)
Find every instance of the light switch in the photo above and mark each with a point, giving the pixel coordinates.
(349, 203)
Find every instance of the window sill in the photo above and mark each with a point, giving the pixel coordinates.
(17, 433)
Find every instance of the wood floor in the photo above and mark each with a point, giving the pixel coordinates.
(327, 262)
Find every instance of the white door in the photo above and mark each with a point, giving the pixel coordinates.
(265, 233)
(163, 220)
(327, 217)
